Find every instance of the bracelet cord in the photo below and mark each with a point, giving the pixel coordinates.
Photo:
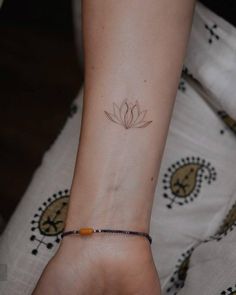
(89, 231)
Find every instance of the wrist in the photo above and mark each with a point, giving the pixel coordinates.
(118, 262)
(115, 250)
(104, 211)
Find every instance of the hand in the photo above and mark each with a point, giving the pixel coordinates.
(99, 265)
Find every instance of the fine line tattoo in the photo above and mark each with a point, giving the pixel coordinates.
(128, 115)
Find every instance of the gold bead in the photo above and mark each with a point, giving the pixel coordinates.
(85, 231)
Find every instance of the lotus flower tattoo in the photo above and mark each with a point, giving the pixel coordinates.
(128, 115)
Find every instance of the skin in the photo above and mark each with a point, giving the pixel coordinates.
(134, 52)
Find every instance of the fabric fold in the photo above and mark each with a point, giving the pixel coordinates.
(211, 58)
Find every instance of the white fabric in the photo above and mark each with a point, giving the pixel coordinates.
(181, 231)
(214, 64)
(212, 268)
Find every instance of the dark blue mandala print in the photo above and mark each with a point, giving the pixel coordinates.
(48, 222)
(229, 223)
(229, 291)
(230, 123)
(212, 32)
(183, 180)
(178, 278)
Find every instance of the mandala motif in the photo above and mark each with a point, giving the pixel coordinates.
(212, 32)
(182, 85)
(186, 72)
(73, 109)
(48, 223)
(178, 278)
(229, 291)
(229, 122)
(183, 180)
(228, 224)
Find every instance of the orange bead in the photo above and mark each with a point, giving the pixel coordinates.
(85, 231)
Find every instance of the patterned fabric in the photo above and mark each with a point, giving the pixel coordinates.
(193, 223)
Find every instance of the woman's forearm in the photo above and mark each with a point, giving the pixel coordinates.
(134, 52)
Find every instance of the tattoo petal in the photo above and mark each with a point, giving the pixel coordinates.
(111, 117)
(137, 104)
(135, 113)
(142, 116)
(116, 112)
(129, 118)
(123, 110)
(142, 124)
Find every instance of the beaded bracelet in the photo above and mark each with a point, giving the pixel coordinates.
(86, 231)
